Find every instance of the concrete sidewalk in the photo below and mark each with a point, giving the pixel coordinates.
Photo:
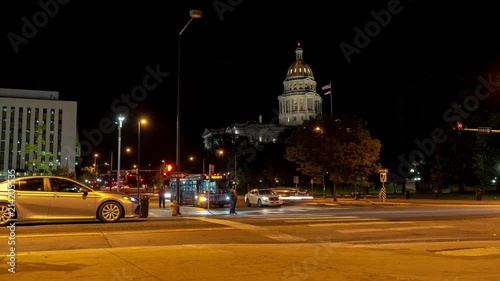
(253, 262)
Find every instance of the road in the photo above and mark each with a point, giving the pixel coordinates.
(295, 242)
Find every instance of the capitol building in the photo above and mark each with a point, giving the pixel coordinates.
(298, 102)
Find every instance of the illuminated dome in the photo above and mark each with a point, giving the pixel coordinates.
(299, 67)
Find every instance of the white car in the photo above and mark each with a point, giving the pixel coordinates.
(263, 197)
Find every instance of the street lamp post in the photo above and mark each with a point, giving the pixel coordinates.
(194, 14)
(120, 120)
(139, 154)
(95, 166)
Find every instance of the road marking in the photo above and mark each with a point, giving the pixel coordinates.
(391, 229)
(273, 234)
(355, 223)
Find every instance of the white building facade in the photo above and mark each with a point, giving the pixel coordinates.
(26, 112)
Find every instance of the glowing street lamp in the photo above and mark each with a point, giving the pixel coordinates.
(142, 121)
(194, 14)
(95, 166)
(120, 120)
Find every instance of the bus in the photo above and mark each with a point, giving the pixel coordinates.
(198, 191)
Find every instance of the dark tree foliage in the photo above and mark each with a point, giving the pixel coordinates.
(341, 148)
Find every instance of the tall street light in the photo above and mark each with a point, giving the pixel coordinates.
(194, 14)
(95, 166)
(143, 121)
(120, 120)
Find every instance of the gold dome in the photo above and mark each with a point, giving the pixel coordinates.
(299, 67)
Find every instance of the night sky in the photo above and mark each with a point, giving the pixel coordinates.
(234, 60)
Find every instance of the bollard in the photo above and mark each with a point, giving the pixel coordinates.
(175, 207)
(145, 206)
(407, 194)
(479, 194)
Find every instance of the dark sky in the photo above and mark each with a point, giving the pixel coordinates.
(234, 60)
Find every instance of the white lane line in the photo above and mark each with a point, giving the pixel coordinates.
(355, 223)
(333, 219)
(276, 235)
(314, 218)
(391, 229)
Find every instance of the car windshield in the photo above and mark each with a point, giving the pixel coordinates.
(266, 191)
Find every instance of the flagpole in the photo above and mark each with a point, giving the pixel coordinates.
(331, 103)
(329, 88)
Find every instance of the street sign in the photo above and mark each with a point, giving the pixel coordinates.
(383, 171)
(178, 175)
(484, 130)
(383, 177)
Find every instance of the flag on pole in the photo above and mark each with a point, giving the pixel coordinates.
(327, 93)
(326, 87)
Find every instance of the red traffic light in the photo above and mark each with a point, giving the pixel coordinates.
(460, 126)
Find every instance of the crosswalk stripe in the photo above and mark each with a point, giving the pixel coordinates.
(392, 229)
(273, 234)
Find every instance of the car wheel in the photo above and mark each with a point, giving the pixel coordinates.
(278, 206)
(5, 214)
(110, 212)
(248, 203)
(259, 203)
(221, 205)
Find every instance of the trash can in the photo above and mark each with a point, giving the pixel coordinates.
(407, 194)
(144, 206)
(479, 194)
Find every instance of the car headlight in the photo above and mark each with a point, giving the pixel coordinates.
(202, 199)
(265, 198)
(131, 198)
(227, 198)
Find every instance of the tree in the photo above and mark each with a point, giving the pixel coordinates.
(41, 159)
(342, 148)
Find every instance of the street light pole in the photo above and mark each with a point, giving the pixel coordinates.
(194, 14)
(120, 120)
(139, 154)
(95, 166)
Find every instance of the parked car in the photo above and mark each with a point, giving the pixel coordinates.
(41, 198)
(263, 197)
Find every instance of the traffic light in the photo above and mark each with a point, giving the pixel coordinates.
(460, 127)
(164, 175)
(170, 167)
